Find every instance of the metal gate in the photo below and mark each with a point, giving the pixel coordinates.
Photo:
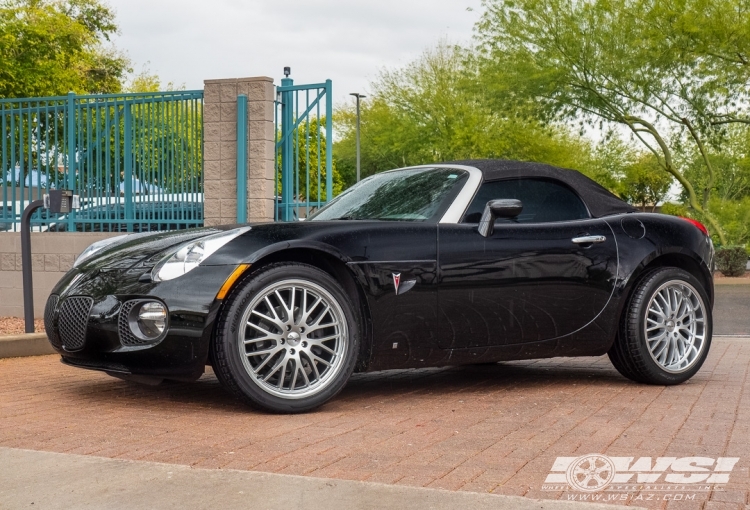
(304, 149)
(136, 160)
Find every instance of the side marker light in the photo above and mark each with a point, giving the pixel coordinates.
(224, 290)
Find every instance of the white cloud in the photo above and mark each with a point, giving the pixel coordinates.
(187, 41)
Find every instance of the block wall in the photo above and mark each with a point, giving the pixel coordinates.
(52, 255)
(220, 149)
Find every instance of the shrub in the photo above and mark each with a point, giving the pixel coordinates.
(731, 260)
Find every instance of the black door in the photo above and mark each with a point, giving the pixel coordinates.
(545, 275)
(399, 279)
(390, 240)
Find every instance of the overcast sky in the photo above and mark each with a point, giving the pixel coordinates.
(187, 41)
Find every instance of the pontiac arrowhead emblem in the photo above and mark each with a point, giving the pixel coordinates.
(396, 281)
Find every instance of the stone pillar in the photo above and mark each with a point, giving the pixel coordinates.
(220, 149)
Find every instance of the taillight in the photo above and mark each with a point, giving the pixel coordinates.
(697, 224)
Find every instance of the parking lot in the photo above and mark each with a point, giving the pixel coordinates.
(732, 309)
(495, 428)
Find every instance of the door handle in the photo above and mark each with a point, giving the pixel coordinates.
(589, 239)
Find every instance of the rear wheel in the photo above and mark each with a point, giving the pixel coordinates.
(665, 330)
(287, 339)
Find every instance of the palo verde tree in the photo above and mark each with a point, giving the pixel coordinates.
(435, 109)
(671, 73)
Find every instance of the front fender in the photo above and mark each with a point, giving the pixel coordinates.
(295, 244)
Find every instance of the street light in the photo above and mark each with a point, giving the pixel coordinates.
(358, 96)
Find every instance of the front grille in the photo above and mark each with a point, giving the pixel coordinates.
(50, 322)
(123, 325)
(73, 320)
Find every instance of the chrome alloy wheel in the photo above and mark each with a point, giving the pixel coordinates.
(294, 341)
(675, 326)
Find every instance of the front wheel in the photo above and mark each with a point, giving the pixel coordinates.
(287, 339)
(665, 330)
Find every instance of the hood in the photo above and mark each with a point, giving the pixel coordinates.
(145, 248)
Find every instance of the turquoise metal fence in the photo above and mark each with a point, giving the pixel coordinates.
(135, 160)
(241, 158)
(304, 148)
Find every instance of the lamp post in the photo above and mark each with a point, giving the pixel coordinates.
(358, 96)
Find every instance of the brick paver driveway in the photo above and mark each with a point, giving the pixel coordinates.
(495, 428)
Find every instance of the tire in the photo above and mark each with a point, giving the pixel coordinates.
(665, 329)
(287, 339)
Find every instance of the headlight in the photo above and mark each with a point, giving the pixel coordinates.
(97, 246)
(190, 255)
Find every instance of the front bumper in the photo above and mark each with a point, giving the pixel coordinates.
(82, 319)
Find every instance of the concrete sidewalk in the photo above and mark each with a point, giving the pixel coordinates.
(43, 480)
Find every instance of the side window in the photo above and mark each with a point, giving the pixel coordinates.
(543, 201)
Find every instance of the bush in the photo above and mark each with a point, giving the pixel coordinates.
(731, 260)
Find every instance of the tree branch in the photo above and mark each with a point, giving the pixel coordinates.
(730, 121)
(711, 175)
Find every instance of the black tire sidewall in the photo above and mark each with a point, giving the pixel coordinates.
(232, 316)
(650, 370)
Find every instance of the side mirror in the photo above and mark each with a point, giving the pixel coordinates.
(501, 208)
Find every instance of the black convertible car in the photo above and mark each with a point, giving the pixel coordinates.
(444, 264)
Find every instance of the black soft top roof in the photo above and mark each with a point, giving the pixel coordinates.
(599, 201)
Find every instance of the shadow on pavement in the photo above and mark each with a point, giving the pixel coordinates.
(207, 393)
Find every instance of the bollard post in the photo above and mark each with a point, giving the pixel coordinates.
(28, 288)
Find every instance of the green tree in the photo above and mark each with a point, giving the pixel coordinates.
(731, 161)
(663, 70)
(148, 81)
(309, 148)
(434, 109)
(51, 47)
(644, 184)
(735, 217)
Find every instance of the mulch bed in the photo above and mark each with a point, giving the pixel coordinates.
(718, 275)
(16, 326)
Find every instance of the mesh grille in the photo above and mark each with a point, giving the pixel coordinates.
(73, 320)
(123, 325)
(50, 325)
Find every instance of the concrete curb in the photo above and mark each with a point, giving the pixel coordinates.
(28, 344)
(76, 482)
(731, 281)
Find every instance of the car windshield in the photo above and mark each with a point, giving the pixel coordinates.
(416, 194)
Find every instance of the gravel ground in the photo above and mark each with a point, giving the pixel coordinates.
(15, 326)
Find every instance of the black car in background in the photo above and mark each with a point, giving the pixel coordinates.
(442, 264)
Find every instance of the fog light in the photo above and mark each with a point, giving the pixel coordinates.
(152, 319)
